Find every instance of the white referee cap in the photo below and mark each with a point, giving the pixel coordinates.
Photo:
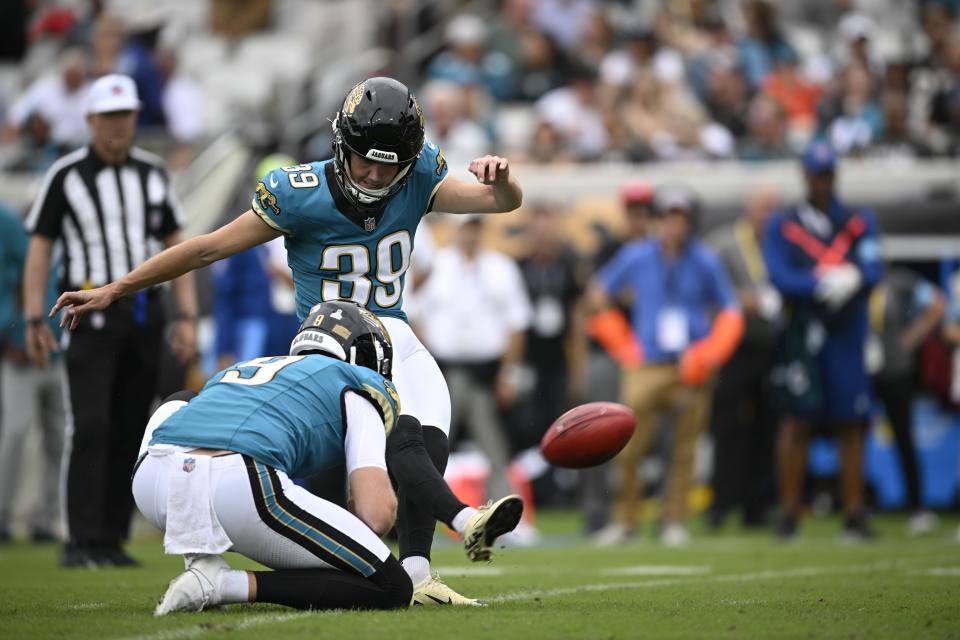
(114, 92)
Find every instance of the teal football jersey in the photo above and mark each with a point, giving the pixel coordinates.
(337, 257)
(285, 411)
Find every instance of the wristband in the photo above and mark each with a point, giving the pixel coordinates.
(33, 322)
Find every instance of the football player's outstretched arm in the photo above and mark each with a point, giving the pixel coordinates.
(498, 191)
(246, 231)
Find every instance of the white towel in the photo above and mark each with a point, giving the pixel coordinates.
(192, 526)
(163, 412)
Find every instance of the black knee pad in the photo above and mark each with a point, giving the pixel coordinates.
(184, 395)
(395, 582)
(406, 434)
(438, 447)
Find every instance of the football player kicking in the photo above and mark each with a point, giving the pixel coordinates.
(214, 474)
(349, 225)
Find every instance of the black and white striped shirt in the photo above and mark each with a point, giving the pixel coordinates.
(110, 217)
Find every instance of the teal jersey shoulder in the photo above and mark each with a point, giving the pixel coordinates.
(286, 412)
(335, 257)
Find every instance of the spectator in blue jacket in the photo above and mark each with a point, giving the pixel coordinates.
(824, 258)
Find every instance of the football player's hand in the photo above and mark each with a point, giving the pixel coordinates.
(77, 303)
(40, 342)
(183, 340)
(491, 170)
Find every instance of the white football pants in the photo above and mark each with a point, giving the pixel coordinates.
(423, 391)
(265, 516)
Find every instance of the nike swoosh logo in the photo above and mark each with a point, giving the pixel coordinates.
(438, 600)
(273, 182)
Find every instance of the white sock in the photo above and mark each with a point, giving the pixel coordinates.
(234, 587)
(460, 520)
(417, 567)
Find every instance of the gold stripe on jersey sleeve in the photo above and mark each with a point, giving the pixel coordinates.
(433, 194)
(386, 409)
(266, 218)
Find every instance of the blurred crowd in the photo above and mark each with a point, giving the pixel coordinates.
(547, 81)
(69, 47)
(586, 80)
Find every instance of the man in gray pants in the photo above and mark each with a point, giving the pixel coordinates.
(476, 319)
(27, 393)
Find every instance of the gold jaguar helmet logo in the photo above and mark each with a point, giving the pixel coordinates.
(353, 99)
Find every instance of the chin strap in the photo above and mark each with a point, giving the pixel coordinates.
(371, 197)
(341, 168)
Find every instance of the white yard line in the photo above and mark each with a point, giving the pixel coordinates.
(472, 572)
(233, 624)
(230, 624)
(799, 572)
(939, 572)
(656, 570)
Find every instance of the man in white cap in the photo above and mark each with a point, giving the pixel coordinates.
(107, 202)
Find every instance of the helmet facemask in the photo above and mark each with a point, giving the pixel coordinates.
(372, 353)
(362, 197)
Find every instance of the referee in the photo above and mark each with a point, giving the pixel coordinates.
(109, 203)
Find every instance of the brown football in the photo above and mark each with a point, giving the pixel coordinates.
(588, 435)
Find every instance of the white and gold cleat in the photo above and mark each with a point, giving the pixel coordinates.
(432, 591)
(195, 589)
(489, 522)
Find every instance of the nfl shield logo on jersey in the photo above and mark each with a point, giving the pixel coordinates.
(189, 464)
(369, 224)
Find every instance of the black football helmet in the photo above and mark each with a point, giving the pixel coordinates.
(380, 120)
(348, 332)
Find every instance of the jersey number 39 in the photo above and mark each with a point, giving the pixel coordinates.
(391, 261)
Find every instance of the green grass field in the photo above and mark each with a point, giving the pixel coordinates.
(732, 585)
